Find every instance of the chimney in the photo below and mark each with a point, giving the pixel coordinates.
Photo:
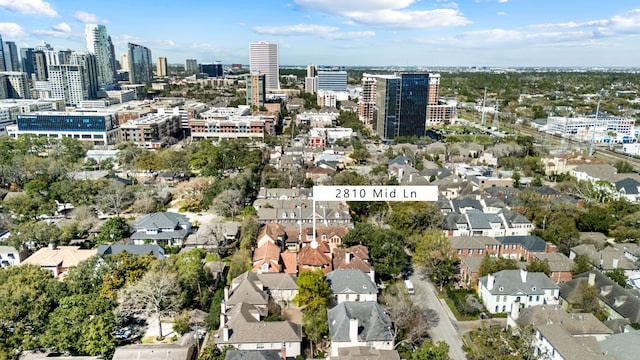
(52, 246)
(592, 279)
(523, 275)
(226, 293)
(353, 330)
(225, 333)
(223, 319)
(490, 281)
(615, 263)
(347, 257)
(283, 351)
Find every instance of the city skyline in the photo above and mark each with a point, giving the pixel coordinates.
(330, 32)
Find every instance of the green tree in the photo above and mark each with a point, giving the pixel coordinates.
(596, 218)
(623, 167)
(490, 265)
(414, 217)
(39, 233)
(627, 228)
(113, 230)
(81, 324)
(314, 297)
(488, 343)
(385, 248)
(431, 351)
(588, 301)
(539, 266)
(240, 263)
(581, 264)
(193, 277)
(122, 269)
(516, 179)
(618, 276)
(181, 323)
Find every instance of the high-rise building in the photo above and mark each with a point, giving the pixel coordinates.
(161, 67)
(40, 65)
(332, 80)
(312, 71)
(405, 104)
(387, 105)
(191, 65)
(263, 58)
(256, 90)
(413, 104)
(3, 61)
(75, 80)
(99, 44)
(16, 84)
(124, 62)
(4, 94)
(27, 60)
(212, 70)
(140, 68)
(367, 100)
(11, 56)
(311, 80)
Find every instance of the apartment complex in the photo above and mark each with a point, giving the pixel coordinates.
(150, 131)
(161, 67)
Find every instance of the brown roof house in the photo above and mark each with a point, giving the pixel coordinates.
(314, 256)
(58, 259)
(266, 258)
(355, 257)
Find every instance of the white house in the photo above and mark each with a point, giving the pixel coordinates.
(351, 285)
(359, 323)
(501, 290)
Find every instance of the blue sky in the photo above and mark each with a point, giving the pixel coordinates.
(347, 32)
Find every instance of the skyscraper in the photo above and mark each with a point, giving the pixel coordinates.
(388, 105)
(256, 90)
(212, 70)
(161, 67)
(74, 80)
(332, 80)
(11, 56)
(27, 61)
(413, 104)
(40, 65)
(140, 68)
(17, 84)
(124, 62)
(191, 65)
(263, 58)
(367, 100)
(3, 64)
(311, 81)
(99, 44)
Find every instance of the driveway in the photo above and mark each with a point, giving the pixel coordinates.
(447, 328)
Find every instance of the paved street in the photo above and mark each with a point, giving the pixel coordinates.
(446, 330)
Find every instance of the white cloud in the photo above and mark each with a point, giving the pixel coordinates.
(389, 13)
(322, 31)
(63, 27)
(501, 13)
(11, 30)
(88, 18)
(37, 7)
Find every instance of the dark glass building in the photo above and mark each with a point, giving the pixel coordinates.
(212, 70)
(413, 104)
(140, 67)
(66, 122)
(387, 106)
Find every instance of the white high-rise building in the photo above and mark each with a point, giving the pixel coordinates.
(124, 62)
(99, 43)
(75, 80)
(263, 58)
(191, 65)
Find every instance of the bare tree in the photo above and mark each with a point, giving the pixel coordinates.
(229, 202)
(157, 294)
(114, 198)
(411, 321)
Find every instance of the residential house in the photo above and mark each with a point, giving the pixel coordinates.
(266, 258)
(47, 355)
(365, 353)
(622, 346)
(246, 288)
(291, 213)
(468, 270)
(315, 256)
(481, 224)
(565, 163)
(10, 256)
(593, 172)
(273, 232)
(501, 290)
(147, 249)
(233, 354)
(161, 228)
(455, 224)
(58, 259)
(280, 287)
(523, 247)
(553, 342)
(355, 257)
(620, 303)
(516, 224)
(183, 350)
(284, 193)
(617, 256)
(243, 327)
(359, 323)
(351, 285)
(468, 246)
(576, 324)
(559, 264)
(628, 189)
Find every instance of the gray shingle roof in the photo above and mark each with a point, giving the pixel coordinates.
(253, 355)
(351, 281)
(147, 249)
(529, 242)
(509, 282)
(161, 220)
(479, 220)
(622, 346)
(373, 322)
(569, 347)
(466, 203)
(245, 328)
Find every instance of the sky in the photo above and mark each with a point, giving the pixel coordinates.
(499, 33)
